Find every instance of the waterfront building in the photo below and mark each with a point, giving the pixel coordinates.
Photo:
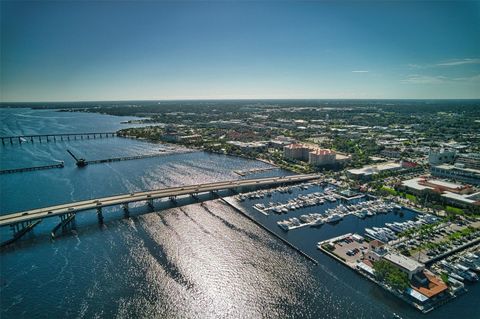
(457, 172)
(404, 263)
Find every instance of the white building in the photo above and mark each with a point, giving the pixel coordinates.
(367, 172)
(405, 264)
(457, 172)
(441, 156)
(469, 160)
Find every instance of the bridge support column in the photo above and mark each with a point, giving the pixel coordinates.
(31, 139)
(20, 140)
(126, 211)
(54, 138)
(3, 142)
(11, 142)
(150, 204)
(65, 220)
(100, 215)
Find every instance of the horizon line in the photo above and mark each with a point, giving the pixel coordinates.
(244, 99)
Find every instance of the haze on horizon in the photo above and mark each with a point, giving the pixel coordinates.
(79, 51)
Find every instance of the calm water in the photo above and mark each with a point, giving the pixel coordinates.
(202, 260)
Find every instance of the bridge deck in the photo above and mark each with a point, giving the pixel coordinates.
(93, 204)
(57, 134)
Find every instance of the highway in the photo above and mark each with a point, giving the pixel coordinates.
(98, 203)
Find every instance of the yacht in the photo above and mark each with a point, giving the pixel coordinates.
(317, 223)
(333, 218)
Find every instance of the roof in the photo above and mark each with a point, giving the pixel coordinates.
(435, 285)
(322, 151)
(467, 199)
(415, 294)
(373, 169)
(363, 266)
(454, 167)
(403, 261)
(413, 184)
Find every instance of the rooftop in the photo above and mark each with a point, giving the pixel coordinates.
(403, 261)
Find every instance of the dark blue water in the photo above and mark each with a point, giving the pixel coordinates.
(203, 260)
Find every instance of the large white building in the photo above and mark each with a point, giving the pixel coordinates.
(441, 156)
(367, 172)
(457, 172)
(471, 160)
(405, 264)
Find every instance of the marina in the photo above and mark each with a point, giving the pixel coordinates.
(429, 285)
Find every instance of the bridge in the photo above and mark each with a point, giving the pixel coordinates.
(54, 137)
(21, 222)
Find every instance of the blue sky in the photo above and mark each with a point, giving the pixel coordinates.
(77, 51)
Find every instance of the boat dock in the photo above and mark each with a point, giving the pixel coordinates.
(34, 168)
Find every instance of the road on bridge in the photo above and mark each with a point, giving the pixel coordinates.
(80, 206)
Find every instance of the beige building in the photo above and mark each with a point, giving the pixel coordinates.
(320, 157)
(313, 154)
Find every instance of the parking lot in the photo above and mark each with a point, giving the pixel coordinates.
(350, 250)
(440, 241)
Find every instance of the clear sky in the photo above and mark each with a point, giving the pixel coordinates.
(70, 51)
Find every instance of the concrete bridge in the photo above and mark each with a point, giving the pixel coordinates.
(22, 222)
(54, 137)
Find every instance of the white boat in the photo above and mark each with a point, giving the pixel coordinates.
(317, 223)
(333, 218)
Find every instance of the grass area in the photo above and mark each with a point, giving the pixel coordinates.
(389, 190)
(411, 197)
(454, 210)
(461, 233)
